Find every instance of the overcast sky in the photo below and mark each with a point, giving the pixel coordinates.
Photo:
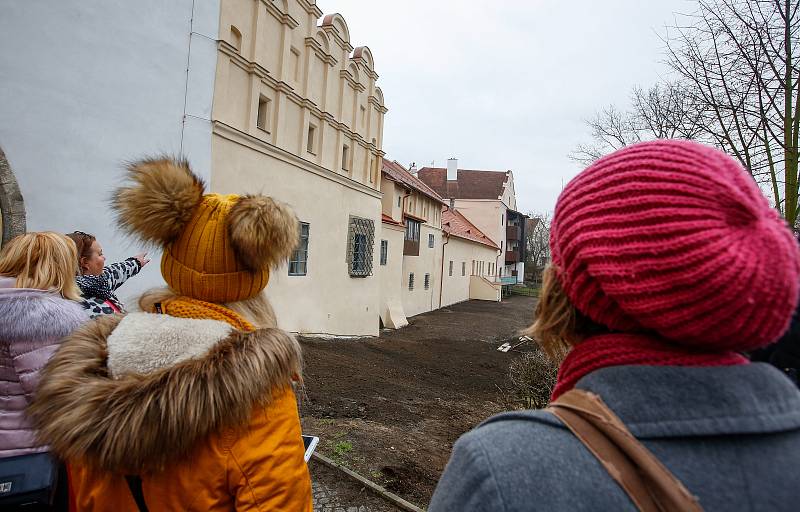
(505, 84)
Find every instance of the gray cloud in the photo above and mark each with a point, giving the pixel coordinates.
(505, 84)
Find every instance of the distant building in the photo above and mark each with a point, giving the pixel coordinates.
(430, 254)
(488, 200)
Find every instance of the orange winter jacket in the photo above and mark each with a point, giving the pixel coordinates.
(204, 414)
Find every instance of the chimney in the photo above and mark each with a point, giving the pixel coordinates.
(452, 169)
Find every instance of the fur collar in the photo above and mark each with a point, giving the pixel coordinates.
(27, 314)
(143, 342)
(136, 422)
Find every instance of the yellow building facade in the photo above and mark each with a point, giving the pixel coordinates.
(297, 115)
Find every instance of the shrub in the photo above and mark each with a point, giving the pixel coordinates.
(531, 378)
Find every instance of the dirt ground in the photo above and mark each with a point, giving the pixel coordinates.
(391, 408)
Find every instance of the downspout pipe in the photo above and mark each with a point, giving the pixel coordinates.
(441, 282)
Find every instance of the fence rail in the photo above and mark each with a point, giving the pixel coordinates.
(524, 290)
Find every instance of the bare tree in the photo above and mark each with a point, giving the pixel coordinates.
(738, 58)
(664, 111)
(537, 240)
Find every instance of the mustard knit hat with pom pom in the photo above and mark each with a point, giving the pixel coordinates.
(217, 248)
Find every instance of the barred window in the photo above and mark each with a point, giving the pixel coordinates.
(410, 281)
(361, 238)
(430, 240)
(384, 251)
(298, 263)
(451, 267)
(427, 281)
(463, 268)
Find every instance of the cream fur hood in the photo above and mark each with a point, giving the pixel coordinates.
(132, 393)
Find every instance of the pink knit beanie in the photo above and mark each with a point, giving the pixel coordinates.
(676, 238)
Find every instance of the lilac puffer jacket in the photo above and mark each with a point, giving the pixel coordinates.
(32, 324)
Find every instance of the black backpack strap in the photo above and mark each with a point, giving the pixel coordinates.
(135, 485)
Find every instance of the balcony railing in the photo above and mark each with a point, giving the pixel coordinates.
(513, 233)
(512, 256)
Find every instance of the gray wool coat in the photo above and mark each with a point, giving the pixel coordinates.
(730, 434)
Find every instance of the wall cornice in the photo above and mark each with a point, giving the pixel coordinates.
(320, 51)
(283, 17)
(231, 134)
(311, 8)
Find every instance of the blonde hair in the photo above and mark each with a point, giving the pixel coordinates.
(558, 325)
(43, 260)
(256, 310)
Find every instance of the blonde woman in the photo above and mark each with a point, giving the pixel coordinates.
(39, 306)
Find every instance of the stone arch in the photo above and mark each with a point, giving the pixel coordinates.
(364, 54)
(337, 22)
(379, 95)
(322, 39)
(353, 71)
(12, 206)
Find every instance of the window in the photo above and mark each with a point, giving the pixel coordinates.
(451, 267)
(384, 251)
(410, 281)
(412, 230)
(363, 115)
(359, 249)
(473, 267)
(346, 157)
(399, 199)
(430, 240)
(311, 138)
(463, 268)
(502, 219)
(262, 119)
(501, 245)
(295, 63)
(298, 263)
(236, 38)
(427, 281)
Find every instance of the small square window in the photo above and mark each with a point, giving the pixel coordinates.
(312, 130)
(298, 263)
(262, 118)
(346, 157)
(411, 281)
(427, 281)
(295, 63)
(430, 240)
(384, 251)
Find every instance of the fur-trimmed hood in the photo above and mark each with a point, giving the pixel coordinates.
(28, 314)
(134, 393)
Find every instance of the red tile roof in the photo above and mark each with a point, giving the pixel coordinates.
(389, 220)
(470, 184)
(396, 172)
(456, 224)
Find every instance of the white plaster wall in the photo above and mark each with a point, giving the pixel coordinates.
(89, 84)
(419, 300)
(456, 288)
(327, 300)
(391, 274)
(487, 215)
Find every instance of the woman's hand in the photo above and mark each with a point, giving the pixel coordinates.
(142, 259)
